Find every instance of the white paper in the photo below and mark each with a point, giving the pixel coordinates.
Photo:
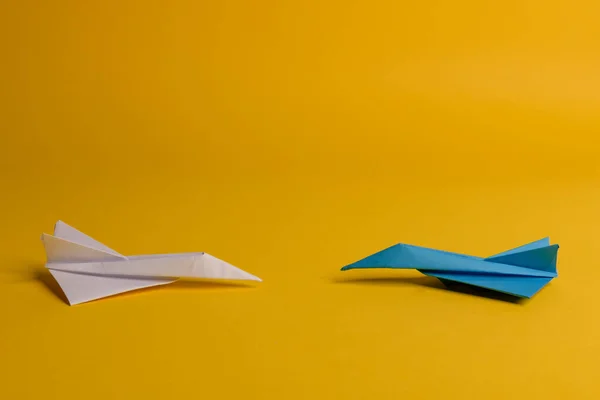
(87, 270)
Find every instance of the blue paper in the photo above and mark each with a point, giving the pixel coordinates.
(520, 272)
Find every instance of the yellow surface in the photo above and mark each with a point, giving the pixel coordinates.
(290, 138)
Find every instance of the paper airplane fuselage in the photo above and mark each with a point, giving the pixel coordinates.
(87, 270)
(521, 272)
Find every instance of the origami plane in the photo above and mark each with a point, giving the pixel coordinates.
(520, 272)
(87, 270)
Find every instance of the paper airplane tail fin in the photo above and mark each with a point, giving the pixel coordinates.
(66, 232)
(538, 255)
(60, 250)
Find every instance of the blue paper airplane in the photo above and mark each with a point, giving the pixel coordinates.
(520, 272)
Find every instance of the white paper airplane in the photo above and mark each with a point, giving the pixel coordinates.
(87, 270)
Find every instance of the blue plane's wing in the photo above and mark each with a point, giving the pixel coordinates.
(521, 286)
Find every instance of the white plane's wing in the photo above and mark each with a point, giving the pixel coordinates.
(80, 288)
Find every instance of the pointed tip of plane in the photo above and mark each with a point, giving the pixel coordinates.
(213, 267)
(246, 276)
(249, 277)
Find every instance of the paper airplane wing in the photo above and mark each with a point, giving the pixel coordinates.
(520, 286)
(69, 245)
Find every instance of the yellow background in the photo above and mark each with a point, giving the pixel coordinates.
(290, 138)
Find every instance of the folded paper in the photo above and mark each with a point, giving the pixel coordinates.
(520, 272)
(87, 270)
